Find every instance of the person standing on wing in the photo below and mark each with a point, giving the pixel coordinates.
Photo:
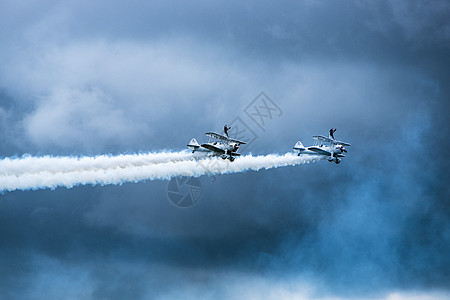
(226, 128)
(332, 131)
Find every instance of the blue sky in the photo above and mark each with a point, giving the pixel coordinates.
(83, 78)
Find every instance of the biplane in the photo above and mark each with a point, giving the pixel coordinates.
(324, 146)
(217, 145)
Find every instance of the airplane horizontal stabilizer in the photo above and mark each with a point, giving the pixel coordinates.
(193, 143)
(299, 146)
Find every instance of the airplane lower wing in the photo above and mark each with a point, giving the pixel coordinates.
(213, 148)
(319, 151)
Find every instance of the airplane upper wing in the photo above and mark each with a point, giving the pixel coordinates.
(328, 140)
(237, 141)
(322, 138)
(222, 137)
(216, 136)
(213, 148)
(342, 143)
(319, 151)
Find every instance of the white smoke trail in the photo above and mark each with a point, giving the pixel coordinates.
(58, 164)
(128, 168)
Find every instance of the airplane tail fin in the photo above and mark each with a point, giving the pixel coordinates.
(194, 144)
(299, 146)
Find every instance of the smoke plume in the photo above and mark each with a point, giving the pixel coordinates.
(50, 172)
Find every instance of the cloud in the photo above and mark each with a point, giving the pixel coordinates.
(87, 280)
(68, 119)
(421, 23)
(118, 93)
(123, 93)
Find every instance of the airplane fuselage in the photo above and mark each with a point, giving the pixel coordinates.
(217, 148)
(332, 152)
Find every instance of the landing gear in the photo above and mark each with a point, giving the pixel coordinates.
(336, 160)
(231, 158)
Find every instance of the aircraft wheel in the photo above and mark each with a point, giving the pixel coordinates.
(223, 157)
(231, 158)
(337, 162)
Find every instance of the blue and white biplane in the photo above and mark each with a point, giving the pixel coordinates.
(217, 145)
(332, 149)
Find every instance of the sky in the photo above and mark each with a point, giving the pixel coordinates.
(110, 77)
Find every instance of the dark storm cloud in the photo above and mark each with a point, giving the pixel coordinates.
(81, 77)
